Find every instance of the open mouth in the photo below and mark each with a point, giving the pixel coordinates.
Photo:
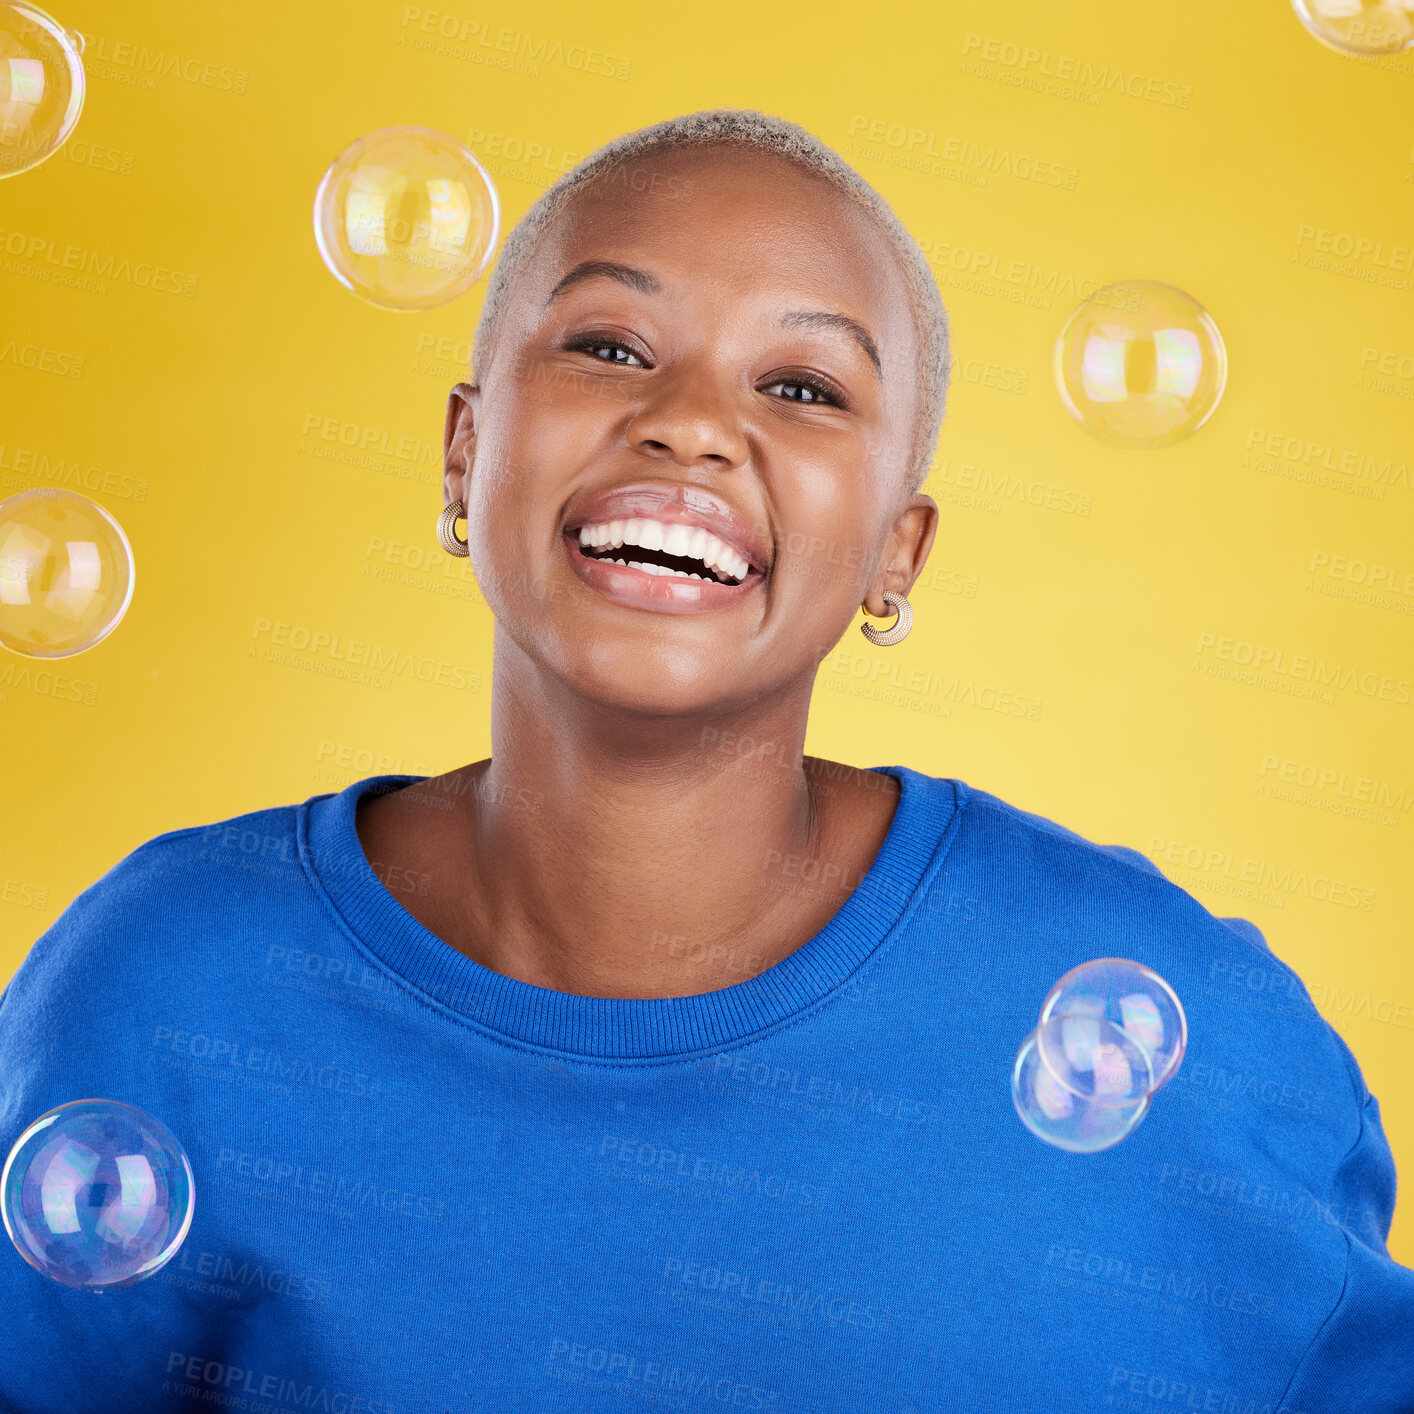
(638, 576)
(640, 557)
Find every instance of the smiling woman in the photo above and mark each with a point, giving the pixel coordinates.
(703, 403)
(689, 1076)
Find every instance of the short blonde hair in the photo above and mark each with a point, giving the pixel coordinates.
(747, 126)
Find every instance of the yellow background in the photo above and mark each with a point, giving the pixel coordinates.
(200, 422)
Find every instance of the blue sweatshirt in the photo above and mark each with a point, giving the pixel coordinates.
(424, 1186)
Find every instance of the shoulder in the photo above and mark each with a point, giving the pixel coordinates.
(1255, 1035)
(237, 853)
(1058, 847)
(1263, 1067)
(1015, 832)
(1054, 863)
(1265, 1154)
(154, 907)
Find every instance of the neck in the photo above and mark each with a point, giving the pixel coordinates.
(625, 855)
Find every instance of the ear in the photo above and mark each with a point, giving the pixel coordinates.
(905, 555)
(459, 441)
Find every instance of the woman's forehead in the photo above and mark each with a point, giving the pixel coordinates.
(739, 228)
(699, 195)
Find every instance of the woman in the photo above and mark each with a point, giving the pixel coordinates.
(650, 1059)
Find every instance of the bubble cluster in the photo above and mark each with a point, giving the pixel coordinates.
(97, 1194)
(1111, 1034)
(406, 218)
(41, 86)
(1359, 26)
(66, 573)
(1140, 364)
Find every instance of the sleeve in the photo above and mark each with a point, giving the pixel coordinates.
(68, 1031)
(1132, 856)
(1361, 1361)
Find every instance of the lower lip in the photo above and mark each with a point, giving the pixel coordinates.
(665, 593)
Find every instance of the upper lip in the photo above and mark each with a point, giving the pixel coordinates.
(676, 505)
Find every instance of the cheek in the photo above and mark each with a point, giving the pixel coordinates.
(525, 470)
(569, 389)
(823, 552)
(542, 438)
(517, 468)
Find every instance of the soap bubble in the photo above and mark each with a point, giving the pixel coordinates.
(97, 1194)
(1094, 1059)
(406, 218)
(66, 573)
(1140, 364)
(1118, 1078)
(1120, 994)
(1359, 26)
(41, 86)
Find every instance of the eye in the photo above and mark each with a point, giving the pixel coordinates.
(591, 343)
(815, 390)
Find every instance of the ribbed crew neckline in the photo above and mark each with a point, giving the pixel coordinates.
(628, 1030)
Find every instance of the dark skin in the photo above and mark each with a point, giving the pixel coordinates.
(619, 842)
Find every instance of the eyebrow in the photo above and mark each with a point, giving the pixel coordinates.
(647, 284)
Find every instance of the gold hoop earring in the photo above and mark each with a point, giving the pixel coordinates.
(447, 529)
(887, 637)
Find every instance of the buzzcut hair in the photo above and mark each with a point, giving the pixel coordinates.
(751, 128)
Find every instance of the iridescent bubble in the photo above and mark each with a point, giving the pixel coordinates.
(1094, 1059)
(1120, 994)
(1359, 26)
(66, 573)
(1066, 1119)
(97, 1194)
(41, 86)
(406, 218)
(1140, 364)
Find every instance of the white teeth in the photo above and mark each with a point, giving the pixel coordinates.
(676, 540)
(673, 538)
(655, 569)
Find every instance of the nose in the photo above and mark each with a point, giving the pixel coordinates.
(689, 416)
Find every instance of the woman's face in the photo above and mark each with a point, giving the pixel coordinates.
(690, 389)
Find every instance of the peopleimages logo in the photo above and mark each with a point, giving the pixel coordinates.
(40, 359)
(918, 148)
(44, 251)
(1261, 873)
(60, 471)
(45, 683)
(1168, 1392)
(1357, 247)
(1304, 667)
(720, 1174)
(1313, 456)
(1337, 781)
(458, 37)
(217, 1051)
(1070, 69)
(988, 272)
(627, 1368)
(758, 1292)
(321, 650)
(145, 66)
(216, 1382)
(284, 1179)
